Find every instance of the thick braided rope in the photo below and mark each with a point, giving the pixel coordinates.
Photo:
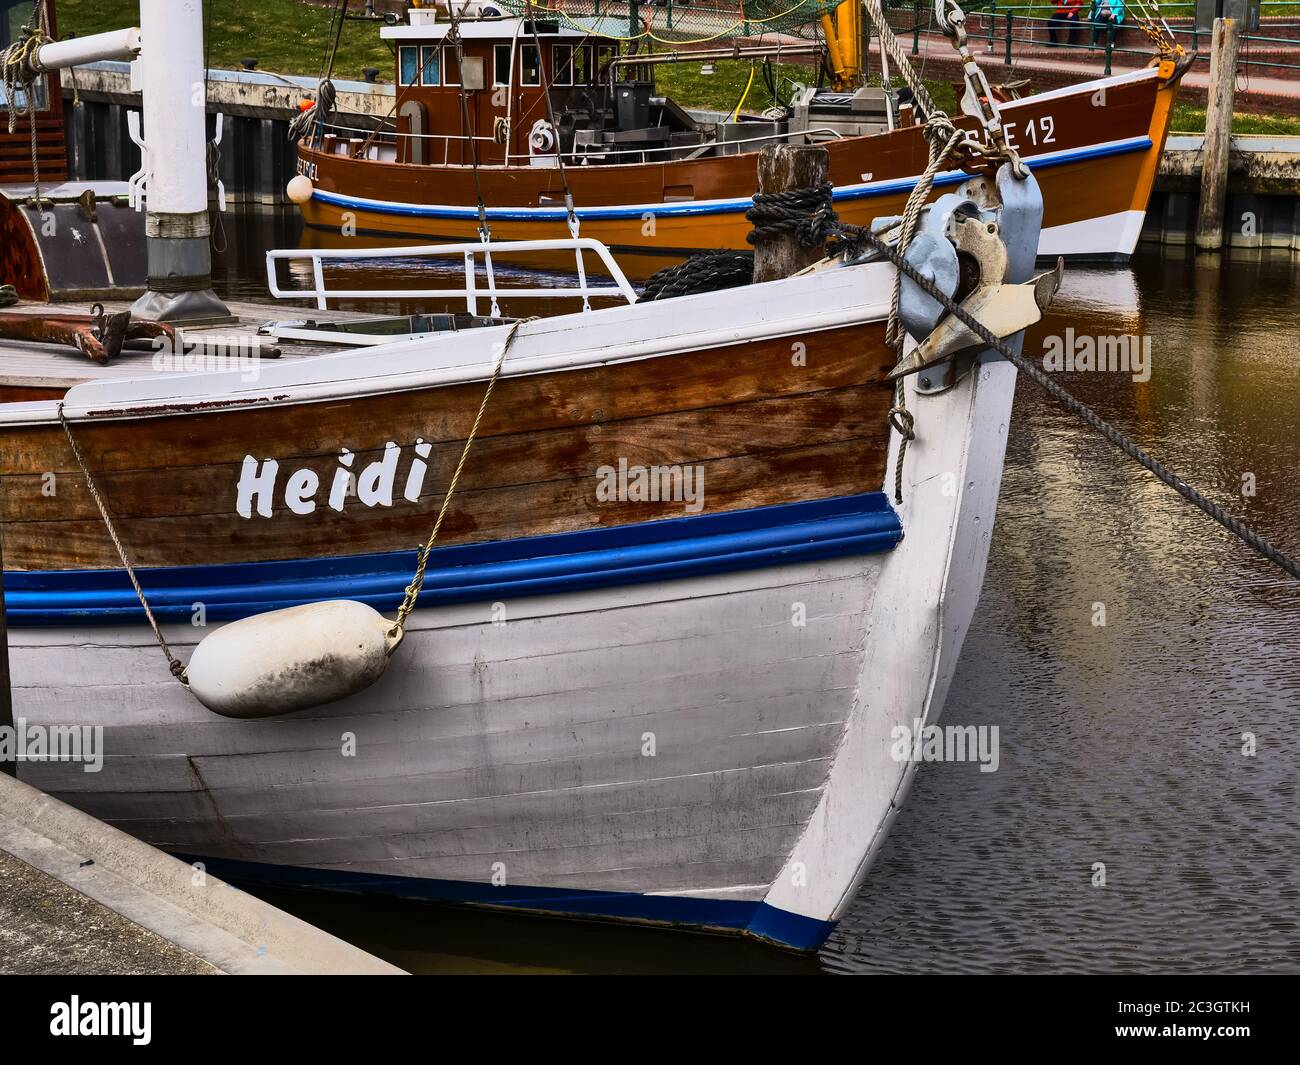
(938, 125)
(807, 214)
(939, 154)
(706, 272)
(1086, 414)
(417, 582)
(177, 667)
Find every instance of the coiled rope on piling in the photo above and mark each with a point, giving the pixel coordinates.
(806, 214)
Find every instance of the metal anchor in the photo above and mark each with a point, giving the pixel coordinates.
(1003, 309)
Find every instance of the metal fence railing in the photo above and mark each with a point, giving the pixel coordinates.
(1009, 27)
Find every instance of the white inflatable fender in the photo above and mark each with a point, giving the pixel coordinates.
(291, 659)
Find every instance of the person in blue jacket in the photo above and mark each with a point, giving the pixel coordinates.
(1105, 13)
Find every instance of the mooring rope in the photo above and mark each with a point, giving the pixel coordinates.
(417, 582)
(326, 94)
(807, 214)
(176, 665)
(1081, 410)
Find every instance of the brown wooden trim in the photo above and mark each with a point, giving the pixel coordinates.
(764, 431)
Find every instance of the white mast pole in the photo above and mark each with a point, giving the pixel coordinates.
(175, 130)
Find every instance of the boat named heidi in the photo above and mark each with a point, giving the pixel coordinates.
(690, 564)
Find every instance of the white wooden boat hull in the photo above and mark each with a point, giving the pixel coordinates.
(681, 751)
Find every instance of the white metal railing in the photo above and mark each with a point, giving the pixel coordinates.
(577, 153)
(471, 290)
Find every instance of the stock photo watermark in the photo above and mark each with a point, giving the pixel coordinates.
(626, 483)
(241, 352)
(1072, 352)
(23, 742)
(920, 742)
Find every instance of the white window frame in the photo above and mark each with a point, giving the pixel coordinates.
(419, 64)
(424, 66)
(497, 51)
(587, 72)
(523, 77)
(555, 65)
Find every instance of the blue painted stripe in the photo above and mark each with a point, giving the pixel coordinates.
(754, 918)
(733, 205)
(498, 570)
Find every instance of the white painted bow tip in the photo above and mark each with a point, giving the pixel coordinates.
(286, 660)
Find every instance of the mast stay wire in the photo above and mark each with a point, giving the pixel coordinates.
(574, 224)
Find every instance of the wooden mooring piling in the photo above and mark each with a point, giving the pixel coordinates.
(1218, 133)
(786, 168)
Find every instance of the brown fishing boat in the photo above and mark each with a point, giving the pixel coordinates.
(546, 98)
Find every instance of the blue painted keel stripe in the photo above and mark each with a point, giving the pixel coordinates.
(755, 918)
(733, 205)
(503, 569)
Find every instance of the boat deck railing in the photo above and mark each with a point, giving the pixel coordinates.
(470, 253)
(389, 137)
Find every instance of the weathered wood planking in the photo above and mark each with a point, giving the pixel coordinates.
(764, 428)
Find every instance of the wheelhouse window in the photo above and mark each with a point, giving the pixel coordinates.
(530, 65)
(408, 65)
(501, 64)
(582, 65)
(562, 64)
(450, 68)
(430, 73)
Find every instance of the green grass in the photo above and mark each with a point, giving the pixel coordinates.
(722, 90)
(285, 36)
(1190, 119)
